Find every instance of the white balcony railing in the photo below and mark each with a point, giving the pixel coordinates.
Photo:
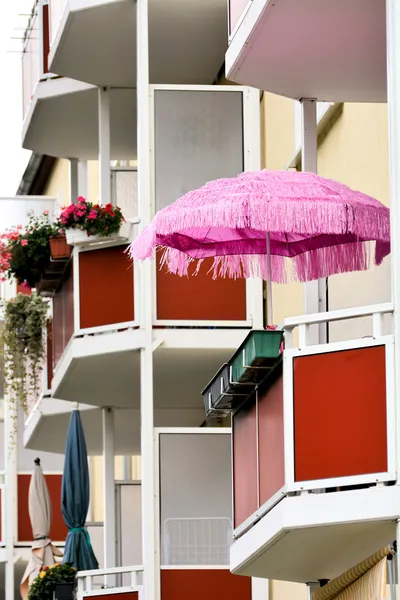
(101, 582)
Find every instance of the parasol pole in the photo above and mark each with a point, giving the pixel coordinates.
(270, 320)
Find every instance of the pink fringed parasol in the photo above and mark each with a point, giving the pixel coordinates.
(251, 223)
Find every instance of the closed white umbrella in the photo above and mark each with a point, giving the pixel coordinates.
(43, 552)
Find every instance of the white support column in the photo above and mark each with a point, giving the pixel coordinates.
(259, 589)
(82, 178)
(151, 564)
(10, 453)
(109, 490)
(314, 291)
(393, 99)
(104, 146)
(73, 179)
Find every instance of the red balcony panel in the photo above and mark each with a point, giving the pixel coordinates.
(105, 287)
(340, 414)
(46, 38)
(245, 468)
(270, 441)
(199, 297)
(49, 357)
(58, 531)
(63, 315)
(204, 584)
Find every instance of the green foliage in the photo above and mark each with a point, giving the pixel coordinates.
(30, 251)
(22, 337)
(43, 586)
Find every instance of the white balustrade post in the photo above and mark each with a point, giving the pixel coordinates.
(10, 504)
(109, 493)
(104, 146)
(82, 178)
(393, 100)
(73, 179)
(151, 572)
(314, 291)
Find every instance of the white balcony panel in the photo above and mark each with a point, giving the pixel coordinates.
(330, 51)
(95, 41)
(62, 121)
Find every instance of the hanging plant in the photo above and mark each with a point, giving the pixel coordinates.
(24, 349)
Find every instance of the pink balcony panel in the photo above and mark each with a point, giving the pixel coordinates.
(236, 9)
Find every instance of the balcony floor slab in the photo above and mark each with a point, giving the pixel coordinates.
(329, 51)
(47, 426)
(104, 33)
(62, 120)
(318, 536)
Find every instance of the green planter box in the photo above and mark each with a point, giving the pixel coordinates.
(256, 357)
(221, 397)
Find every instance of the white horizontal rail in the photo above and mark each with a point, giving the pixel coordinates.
(110, 571)
(86, 584)
(338, 315)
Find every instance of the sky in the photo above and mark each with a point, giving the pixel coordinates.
(13, 159)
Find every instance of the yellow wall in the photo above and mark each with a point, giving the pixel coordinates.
(353, 149)
(58, 182)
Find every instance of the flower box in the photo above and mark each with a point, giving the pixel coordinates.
(221, 397)
(256, 356)
(77, 237)
(64, 591)
(59, 247)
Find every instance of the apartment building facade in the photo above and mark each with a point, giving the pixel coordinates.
(98, 93)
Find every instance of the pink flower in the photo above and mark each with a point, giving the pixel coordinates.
(24, 242)
(46, 213)
(92, 214)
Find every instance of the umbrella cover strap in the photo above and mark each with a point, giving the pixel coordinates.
(85, 531)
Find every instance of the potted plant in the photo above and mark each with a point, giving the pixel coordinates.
(59, 248)
(25, 254)
(85, 222)
(57, 581)
(24, 348)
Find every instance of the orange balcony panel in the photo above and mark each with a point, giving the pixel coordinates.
(105, 287)
(270, 441)
(58, 531)
(245, 467)
(199, 297)
(340, 414)
(204, 584)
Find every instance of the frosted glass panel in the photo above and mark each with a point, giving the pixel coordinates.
(196, 499)
(198, 137)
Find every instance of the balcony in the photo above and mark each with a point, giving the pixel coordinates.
(104, 32)
(315, 455)
(96, 331)
(194, 527)
(290, 48)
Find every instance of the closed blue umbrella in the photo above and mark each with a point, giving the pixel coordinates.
(75, 497)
